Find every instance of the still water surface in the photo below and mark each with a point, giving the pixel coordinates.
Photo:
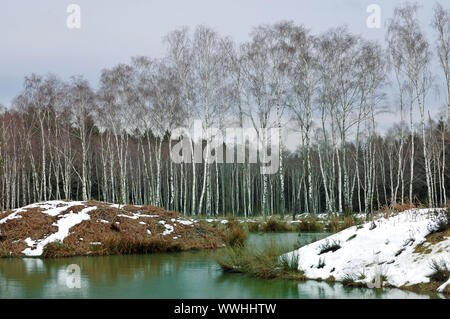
(192, 274)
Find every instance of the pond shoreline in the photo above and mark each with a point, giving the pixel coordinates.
(92, 228)
(189, 274)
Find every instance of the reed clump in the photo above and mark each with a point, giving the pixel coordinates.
(236, 235)
(309, 225)
(275, 225)
(267, 262)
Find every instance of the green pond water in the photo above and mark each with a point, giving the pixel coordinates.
(192, 274)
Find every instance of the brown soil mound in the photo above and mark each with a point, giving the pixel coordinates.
(110, 229)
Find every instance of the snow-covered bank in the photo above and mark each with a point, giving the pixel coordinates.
(70, 228)
(64, 224)
(396, 251)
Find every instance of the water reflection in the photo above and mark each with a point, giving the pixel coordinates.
(180, 275)
(315, 289)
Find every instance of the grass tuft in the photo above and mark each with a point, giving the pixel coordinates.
(321, 263)
(290, 263)
(236, 235)
(274, 225)
(263, 263)
(57, 249)
(442, 222)
(328, 246)
(441, 272)
(348, 280)
(348, 222)
(309, 224)
(334, 225)
(253, 227)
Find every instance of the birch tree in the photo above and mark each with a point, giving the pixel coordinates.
(304, 77)
(441, 24)
(81, 103)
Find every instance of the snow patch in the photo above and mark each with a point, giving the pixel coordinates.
(443, 286)
(369, 252)
(185, 222)
(169, 229)
(64, 224)
(137, 215)
(10, 217)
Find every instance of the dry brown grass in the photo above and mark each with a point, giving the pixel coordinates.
(57, 249)
(275, 225)
(436, 235)
(33, 224)
(253, 227)
(441, 272)
(348, 222)
(391, 210)
(432, 239)
(236, 235)
(117, 234)
(429, 287)
(263, 263)
(309, 224)
(334, 225)
(330, 280)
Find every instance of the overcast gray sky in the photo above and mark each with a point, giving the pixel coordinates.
(35, 39)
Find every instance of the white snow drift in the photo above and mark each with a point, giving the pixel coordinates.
(380, 249)
(64, 224)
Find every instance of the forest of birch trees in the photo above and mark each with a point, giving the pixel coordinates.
(65, 139)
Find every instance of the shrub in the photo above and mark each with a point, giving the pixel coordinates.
(260, 264)
(264, 263)
(290, 263)
(348, 222)
(236, 235)
(232, 260)
(443, 221)
(253, 227)
(396, 208)
(348, 280)
(362, 275)
(328, 246)
(333, 225)
(309, 224)
(321, 263)
(330, 279)
(273, 224)
(441, 272)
